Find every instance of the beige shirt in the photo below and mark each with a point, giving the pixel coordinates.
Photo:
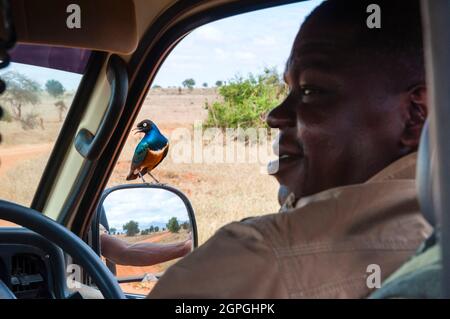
(320, 249)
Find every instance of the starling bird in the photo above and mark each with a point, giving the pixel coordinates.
(150, 151)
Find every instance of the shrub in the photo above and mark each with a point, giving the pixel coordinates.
(54, 88)
(30, 121)
(131, 228)
(245, 101)
(189, 83)
(20, 91)
(173, 226)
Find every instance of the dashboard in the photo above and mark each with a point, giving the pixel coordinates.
(31, 266)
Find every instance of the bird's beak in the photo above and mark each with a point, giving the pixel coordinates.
(137, 129)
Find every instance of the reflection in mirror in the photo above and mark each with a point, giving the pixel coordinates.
(143, 232)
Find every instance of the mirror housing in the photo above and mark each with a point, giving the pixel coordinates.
(134, 200)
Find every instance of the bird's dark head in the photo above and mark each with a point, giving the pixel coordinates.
(144, 127)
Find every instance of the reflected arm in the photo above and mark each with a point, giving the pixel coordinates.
(141, 254)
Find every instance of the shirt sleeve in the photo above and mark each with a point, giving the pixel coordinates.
(235, 263)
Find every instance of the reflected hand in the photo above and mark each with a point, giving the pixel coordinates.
(188, 244)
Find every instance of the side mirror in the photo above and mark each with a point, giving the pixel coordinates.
(142, 229)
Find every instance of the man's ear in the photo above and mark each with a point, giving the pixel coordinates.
(417, 112)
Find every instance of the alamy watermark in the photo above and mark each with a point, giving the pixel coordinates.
(73, 20)
(373, 280)
(374, 19)
(224, 146)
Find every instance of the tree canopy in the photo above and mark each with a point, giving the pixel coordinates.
(54, 88)
(173, 226)
(131, 228)
(189, 83)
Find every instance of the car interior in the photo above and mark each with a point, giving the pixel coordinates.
(117, 53)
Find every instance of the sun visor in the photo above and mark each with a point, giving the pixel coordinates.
(103, 25)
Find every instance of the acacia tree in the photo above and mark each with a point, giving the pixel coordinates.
(173, 225)
(185, 225)
(21, 91)
(131, 228)
(56, 89)
(189, 83)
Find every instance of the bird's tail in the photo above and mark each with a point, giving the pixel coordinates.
(131, 176)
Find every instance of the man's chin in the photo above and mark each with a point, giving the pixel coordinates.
(288, 185)
(283, 193)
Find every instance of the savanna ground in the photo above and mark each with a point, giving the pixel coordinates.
(145, 286)
(220, 193)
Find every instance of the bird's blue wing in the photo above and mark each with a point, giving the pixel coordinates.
(139, 154)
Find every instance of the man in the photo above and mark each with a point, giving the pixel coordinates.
(349, 130)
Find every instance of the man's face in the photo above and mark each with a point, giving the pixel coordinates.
(340, 123)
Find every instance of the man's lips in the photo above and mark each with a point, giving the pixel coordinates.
(288, 151)
(283, 163)
(287, 158)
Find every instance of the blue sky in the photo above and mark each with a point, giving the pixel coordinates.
(40, 74)
(217, 51)
(147, 206)
(237, 45)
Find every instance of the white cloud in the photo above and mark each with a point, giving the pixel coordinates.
(209, 33)
(244, 55)
(144, 205)
(220, 53)
(265, 41)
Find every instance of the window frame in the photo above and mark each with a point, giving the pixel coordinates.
(143, 67)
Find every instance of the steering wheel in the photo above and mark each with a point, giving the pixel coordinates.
(68, 242)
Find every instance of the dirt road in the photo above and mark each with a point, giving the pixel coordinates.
(126, 271)
(10, 156)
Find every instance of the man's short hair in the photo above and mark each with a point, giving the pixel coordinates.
(397, 44)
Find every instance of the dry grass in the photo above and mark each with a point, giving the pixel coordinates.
(219, 193)
(19, 184)
(14, 134)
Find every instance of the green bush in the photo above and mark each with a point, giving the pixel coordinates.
(54, 88)
(131, 228)
(173, 226)
(245, 101)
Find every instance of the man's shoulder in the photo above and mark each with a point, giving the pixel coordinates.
(339, 213)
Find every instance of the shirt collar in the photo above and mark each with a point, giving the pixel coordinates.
(403, 168)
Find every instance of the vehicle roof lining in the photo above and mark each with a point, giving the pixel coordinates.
(105, 25)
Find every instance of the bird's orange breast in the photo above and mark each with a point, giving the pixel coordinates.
(153, 158)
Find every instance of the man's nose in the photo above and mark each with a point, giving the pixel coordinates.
(282, 116)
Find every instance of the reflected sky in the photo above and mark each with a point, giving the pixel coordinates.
(147, 206)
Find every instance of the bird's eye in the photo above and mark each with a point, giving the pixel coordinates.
(144, 125)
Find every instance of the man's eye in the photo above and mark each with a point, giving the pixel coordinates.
(309, 93)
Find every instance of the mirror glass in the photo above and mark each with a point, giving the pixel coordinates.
(143, 231)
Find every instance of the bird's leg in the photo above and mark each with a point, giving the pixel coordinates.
(153, 177)
(142, 177)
